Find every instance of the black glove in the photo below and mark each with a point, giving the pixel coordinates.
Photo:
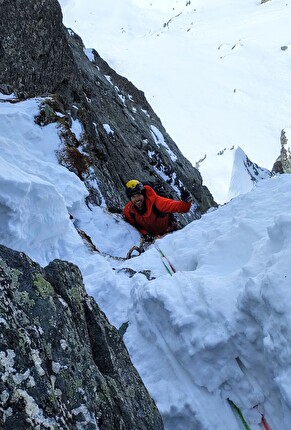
(148, 238)
(185, 195)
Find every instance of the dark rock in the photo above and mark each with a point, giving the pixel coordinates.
(62, 365)
(122, 135)
(34, 55)
(283, 162)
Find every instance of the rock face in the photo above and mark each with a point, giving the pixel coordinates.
(122, 138)
(33, 47)
(283, 162)
(62, 365)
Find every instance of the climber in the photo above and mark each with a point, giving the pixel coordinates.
(151, 214)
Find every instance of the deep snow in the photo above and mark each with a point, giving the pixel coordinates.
(219, 328)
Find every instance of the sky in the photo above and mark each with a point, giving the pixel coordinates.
(218, 328)
(217, 73)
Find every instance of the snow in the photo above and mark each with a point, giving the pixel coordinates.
(217, 73)
(230, 173)
(159, 140)
(218, 329)
(35, 191)
(77, 128)
(89, 54)
(108, 129)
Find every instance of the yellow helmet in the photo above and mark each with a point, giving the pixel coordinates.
(133, 187)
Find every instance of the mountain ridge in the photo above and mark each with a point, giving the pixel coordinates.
(116, 143)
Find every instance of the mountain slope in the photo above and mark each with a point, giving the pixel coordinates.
(218, 329)
(115, 141)
(216, 73)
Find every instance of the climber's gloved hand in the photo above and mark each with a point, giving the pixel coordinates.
(148, 238)
(185, 195)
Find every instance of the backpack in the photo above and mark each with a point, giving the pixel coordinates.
(159, 188)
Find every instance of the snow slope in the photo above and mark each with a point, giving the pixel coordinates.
(216, 72)
(218, 329)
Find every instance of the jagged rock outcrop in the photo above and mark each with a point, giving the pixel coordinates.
(283, 162)
(62, 365)
(122, 137)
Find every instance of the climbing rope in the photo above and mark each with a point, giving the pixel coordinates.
(239, 413)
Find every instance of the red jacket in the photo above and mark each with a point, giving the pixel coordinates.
(150, 221)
